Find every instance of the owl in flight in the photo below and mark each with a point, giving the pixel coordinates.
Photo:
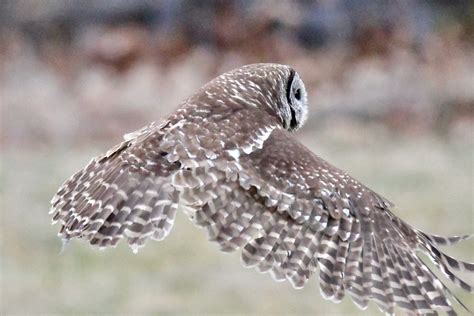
(228, 158)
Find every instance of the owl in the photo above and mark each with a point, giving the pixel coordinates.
(227, 157)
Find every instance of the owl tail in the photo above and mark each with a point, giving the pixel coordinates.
(118, 195)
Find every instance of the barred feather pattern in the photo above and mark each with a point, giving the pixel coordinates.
(256, 190)
(125, 193)
(292, 238)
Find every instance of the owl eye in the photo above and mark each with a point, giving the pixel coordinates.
(298, 94)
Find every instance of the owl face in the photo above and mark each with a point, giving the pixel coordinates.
(295, 108)
(284, 91)
(274, 88)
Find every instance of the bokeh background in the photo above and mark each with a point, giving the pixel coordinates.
(391, 90)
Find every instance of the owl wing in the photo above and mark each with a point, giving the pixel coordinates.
(125, 193)
(129, 192)
(291, 213)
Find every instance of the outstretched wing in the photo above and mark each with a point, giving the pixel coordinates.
(129, 193)
(290, 213)
(126, 192)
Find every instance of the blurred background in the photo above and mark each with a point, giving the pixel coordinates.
(391, 91)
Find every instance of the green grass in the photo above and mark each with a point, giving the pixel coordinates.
(430, 179)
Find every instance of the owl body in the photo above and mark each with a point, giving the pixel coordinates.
(227, 155)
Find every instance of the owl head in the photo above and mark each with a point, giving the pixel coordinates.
(274, 88)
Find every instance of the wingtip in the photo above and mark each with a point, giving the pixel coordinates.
(446, 240)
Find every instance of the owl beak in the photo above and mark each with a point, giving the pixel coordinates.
(293, 121)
